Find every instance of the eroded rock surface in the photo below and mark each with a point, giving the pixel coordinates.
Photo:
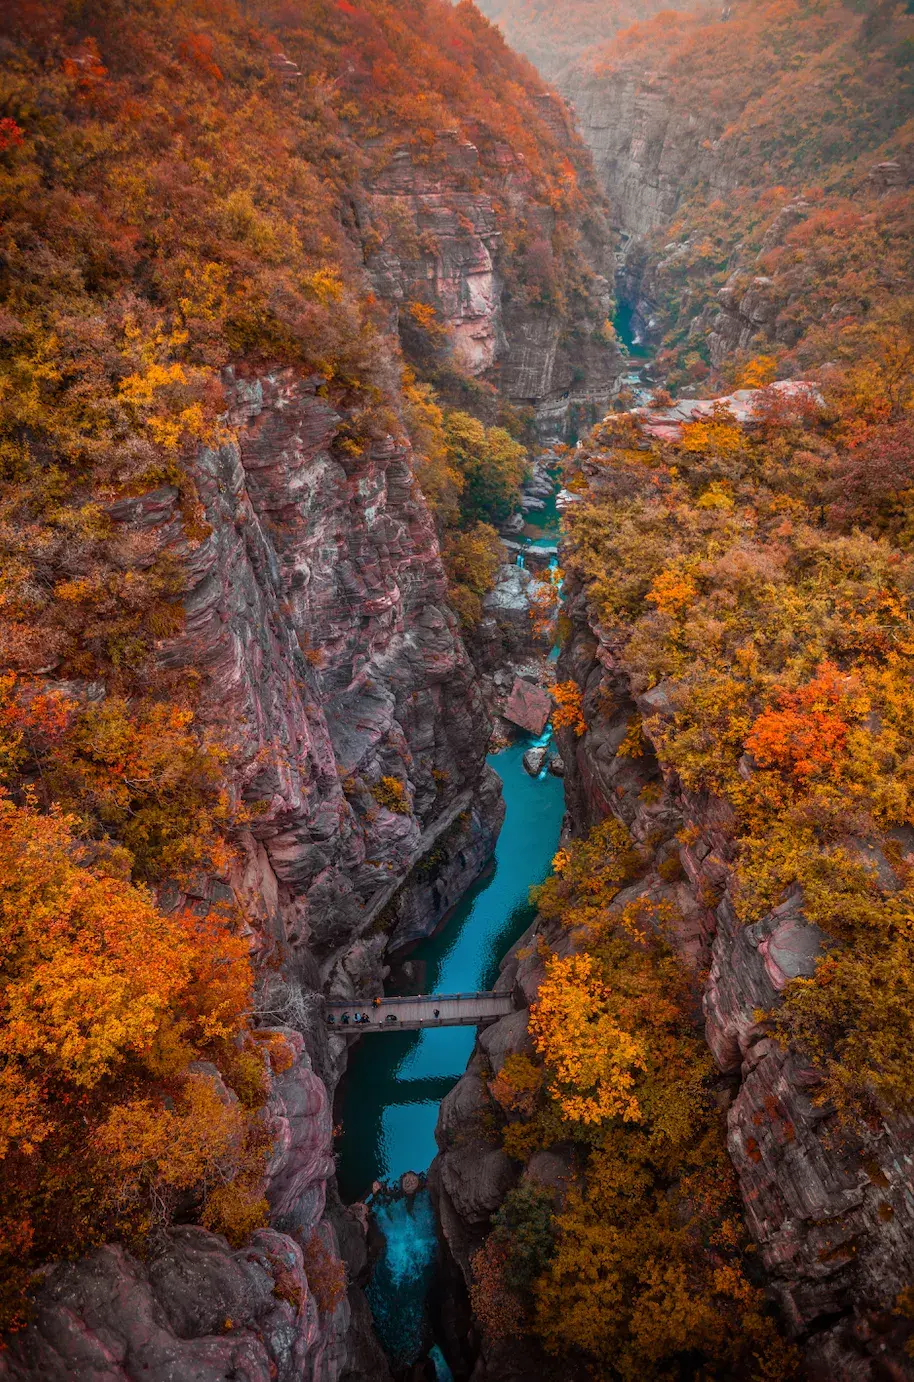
(528, 706)
(446, 251)
(195, 1310)
(317, 619)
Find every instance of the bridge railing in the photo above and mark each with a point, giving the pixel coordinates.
(416, 998)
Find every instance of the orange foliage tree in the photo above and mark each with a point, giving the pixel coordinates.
(569, 711)
(106, 1001)
(806, 730)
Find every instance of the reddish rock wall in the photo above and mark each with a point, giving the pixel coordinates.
(317, 624)
(440, 245)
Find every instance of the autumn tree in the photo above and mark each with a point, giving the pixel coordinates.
(106, 1003)
(471, 558)
(569, 707)
(493, 466)
(591, 1061)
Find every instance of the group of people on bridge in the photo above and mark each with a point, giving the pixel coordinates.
(358, 1019)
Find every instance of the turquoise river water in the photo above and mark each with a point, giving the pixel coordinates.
(395, 1082)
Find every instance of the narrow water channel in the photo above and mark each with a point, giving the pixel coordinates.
(396, 1081)
(637, 378)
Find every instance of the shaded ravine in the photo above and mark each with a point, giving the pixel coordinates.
(637, 378)
(394, 1083)
(389, 1099)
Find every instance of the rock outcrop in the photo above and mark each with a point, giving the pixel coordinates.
(528, 706)
(506, 631)
(316, 617)
(316, 609)
(195, 1307)
(198, 1310)
(443, 267)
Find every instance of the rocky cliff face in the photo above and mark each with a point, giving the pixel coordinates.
(646, 155)
(439, 244)
(316, 616)
(650, 155)
(319, 613)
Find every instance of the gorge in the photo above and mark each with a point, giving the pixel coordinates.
(309, 310)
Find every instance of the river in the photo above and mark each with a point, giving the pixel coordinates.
(395, 1082)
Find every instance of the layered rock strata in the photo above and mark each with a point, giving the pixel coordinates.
(664, 158)
(317, 620)
(440, 247)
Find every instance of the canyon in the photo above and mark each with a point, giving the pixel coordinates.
(358, 707)
(817, 1198)
(317, 626)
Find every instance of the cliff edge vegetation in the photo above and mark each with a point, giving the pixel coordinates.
(760, 157)
(190, 207)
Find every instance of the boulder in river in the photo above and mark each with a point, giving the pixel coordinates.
(528, 706)
(514, 524)
(410, 1182)
(534, 760)
(557, 766)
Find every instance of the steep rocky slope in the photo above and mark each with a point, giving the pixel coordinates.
(758, 163)
(278, 203)
(482, 226)
(306, 550)
(440, 246)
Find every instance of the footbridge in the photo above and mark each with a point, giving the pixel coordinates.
(362, 1015)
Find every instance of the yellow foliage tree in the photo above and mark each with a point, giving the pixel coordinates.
(591, 1061)
(757, 372)
(104, 1003)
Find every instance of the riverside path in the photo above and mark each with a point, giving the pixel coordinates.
(411, 1014)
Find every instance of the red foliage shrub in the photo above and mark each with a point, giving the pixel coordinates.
(806, 730)
(11, 135)
(873, 484)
